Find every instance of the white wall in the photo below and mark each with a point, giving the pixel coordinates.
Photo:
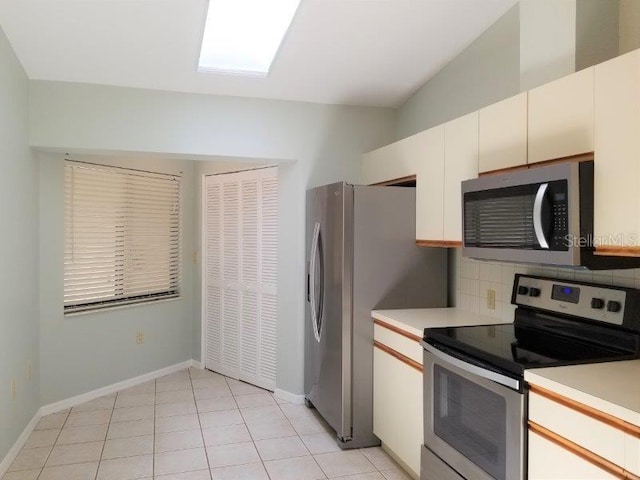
(597, 31)
(485, 72)
(547, 41)
(312, 144)
(629, 25)
(18, 254)
(86, 351)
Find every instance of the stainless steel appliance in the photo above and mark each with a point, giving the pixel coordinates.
(540, 215)
(361, 255)
(475, 402)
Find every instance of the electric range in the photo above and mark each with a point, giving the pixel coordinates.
(474, 389)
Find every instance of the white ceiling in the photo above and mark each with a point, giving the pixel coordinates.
(355, 52)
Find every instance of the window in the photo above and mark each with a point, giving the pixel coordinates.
(122, 236)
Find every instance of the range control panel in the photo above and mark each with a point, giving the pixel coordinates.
(596, 302)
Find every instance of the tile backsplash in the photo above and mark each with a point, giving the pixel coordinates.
(470, 281)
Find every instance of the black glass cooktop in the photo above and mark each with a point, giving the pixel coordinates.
(535, 340)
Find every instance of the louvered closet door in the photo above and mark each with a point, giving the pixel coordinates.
(241, 213)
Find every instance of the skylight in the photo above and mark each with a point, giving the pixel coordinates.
(243, 36)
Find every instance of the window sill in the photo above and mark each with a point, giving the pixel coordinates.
(121, 307)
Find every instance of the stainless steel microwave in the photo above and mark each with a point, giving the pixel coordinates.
(539, 215)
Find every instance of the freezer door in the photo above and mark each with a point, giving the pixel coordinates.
(328, 304)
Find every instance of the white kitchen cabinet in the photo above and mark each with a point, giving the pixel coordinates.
(632, 454)
(395, 161)
(560, 117)
(410, 416)
(502, 141)
(397, 396)
(617, 153)
(460, 163)
(572, 440)
(430, 187)
(594, 435)
(385, 383)
(549, 461)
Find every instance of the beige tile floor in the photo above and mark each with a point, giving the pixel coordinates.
(192, 425)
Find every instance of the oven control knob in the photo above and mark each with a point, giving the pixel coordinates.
(597, 303)
(534, 292)
(522, 290)
(613, 306)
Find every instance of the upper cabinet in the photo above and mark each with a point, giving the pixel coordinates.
(460, 163)
(617, 154)
(561, 117)
(503, 134)
(393, 162)
(430, 187)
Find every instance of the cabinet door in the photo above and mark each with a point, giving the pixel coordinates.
(502, 141)
(460, 163)
(548, 461)
(604, 440)
(392, 162)
(632, 454)
(561, 117)
(410, 415)
(385, 384)
(430, 187)
(617, 150)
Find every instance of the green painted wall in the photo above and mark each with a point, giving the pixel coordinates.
(18, 254)
(312, 144)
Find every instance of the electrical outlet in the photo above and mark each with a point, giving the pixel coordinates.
(29, 371)
(140, 337)
(491, 299)
(12, 391)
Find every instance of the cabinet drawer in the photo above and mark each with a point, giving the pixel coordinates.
(604, 440)
(548, 461)
(632, 454)
(409, 347)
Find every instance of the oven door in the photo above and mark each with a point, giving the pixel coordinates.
(528, 216)
(473, 423)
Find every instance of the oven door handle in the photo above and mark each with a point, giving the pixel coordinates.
(471, 368)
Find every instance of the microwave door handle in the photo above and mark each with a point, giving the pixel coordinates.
(471, 368)
(537, 216)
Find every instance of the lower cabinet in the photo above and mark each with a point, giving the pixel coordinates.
(549, 461)
(569, 440)
(397, 407)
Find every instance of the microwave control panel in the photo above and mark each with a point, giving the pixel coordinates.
(596, 302)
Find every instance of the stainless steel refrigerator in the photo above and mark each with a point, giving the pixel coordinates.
(361, 255)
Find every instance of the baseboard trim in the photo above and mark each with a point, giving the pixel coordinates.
(288, 396)
(85, 397)
(197, 364)
(109, 389)
(22, 439)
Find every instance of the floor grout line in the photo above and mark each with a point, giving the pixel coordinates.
(153, 438)
(54, 444)
(105, 437)
(282, 408)
(204, 443)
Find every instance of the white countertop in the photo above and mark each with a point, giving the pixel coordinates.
(415, 320)
(612, 387)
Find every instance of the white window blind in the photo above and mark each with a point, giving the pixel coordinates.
(122, 236)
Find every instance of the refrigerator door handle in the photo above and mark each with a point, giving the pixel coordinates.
(316, 310)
